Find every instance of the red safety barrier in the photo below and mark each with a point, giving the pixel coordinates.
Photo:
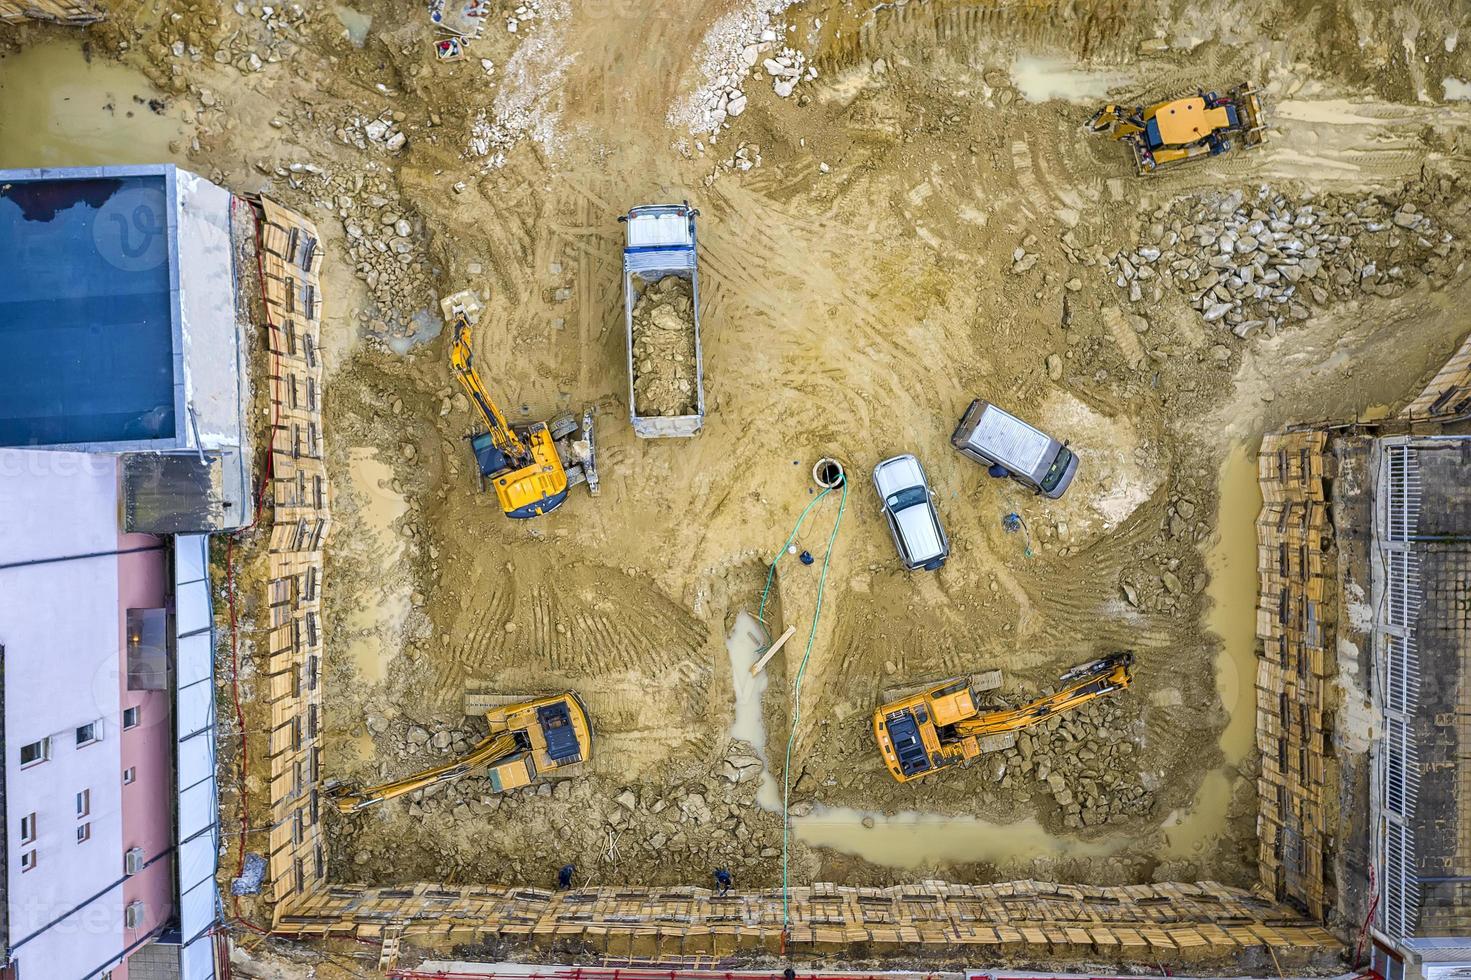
(618, 973)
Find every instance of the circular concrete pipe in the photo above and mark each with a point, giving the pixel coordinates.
(828, 473)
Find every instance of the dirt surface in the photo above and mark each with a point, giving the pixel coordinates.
(919, 221)
(664, 367)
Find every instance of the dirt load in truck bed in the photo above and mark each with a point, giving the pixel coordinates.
(664, 349)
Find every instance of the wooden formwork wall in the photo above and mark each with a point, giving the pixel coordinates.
(1295, 613)
(290, 263)
(66, 11)
(1138, 923)
(1153, 923)
(1449, 393)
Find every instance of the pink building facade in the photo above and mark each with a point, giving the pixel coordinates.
(88, 762)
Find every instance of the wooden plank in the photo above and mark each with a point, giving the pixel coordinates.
(760, 665)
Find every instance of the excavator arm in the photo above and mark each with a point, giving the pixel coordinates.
(502, 436)
(1115, 677)
(486, 753)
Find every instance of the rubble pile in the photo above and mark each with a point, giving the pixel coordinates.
(712, 819)
(1255, 262)
(1083, 761)
(381, 131)
(522, 15)
(734, 47)
(664, 349)
(384, 246)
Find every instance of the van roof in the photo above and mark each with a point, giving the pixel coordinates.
(1007, 439)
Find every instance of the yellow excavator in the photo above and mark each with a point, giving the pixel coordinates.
(531, 467)
(528, 740)
(1178, 130)
(944, 725)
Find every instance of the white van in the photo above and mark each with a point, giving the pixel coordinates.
(1011, 447)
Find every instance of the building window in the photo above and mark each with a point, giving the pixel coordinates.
(131, 717)
(89, 733)
(129, 775)
(148, 659)
(84, 832)
(35, 753)
(28, 860)
(28, 829)
(84, 803)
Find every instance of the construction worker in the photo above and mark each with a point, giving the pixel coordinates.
(722, 881)
(564, 877)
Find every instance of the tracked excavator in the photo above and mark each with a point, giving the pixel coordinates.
(1173, 132)
(531, 467)
(945, 725)
(529, 740)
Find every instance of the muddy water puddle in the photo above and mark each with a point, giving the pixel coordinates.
(747, 640)
(921, 840)
(1233, 593)
(1232, 562)
(63, 110)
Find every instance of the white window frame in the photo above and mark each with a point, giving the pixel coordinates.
(84, 832)
(28, 828)
(45, 756)
(28, 860)
(84, 803)
(136, 712)
(94, 728)
(130, 775)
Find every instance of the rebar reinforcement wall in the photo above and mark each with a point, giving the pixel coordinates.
(1148, 924)
(1295, 617)
(65, 11)
(291, 680)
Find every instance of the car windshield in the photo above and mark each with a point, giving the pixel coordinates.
(906, 498)
(1057, 469)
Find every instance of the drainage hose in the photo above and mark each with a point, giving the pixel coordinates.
(786, 822)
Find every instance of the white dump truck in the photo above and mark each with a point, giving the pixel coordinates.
(661, 308)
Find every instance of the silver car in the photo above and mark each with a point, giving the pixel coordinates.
(909, 507)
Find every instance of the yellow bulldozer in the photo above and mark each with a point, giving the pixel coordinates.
(944, 725)
(529, 740)
(530, 467)
(1173, 132)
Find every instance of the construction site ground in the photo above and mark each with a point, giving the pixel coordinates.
(922, 223)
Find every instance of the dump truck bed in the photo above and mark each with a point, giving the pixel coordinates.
(660, 243)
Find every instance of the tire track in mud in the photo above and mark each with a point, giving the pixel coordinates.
(574, 631)
(961, 30)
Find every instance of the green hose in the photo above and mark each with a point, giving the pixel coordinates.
(786, 823)
(771, 572)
